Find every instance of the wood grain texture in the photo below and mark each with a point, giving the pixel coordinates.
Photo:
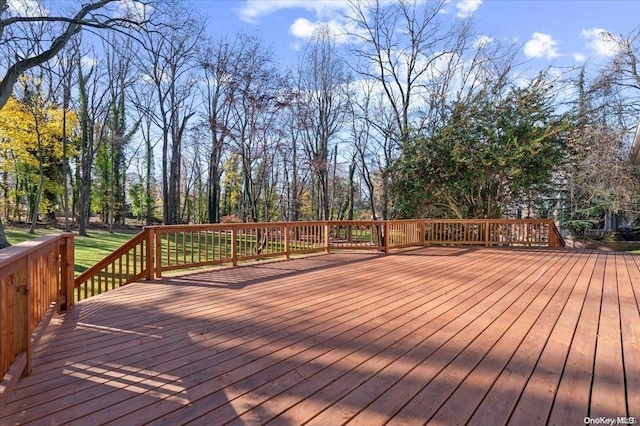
(441, 335)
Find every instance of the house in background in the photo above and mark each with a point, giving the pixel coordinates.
(634, 156)
(612, 222)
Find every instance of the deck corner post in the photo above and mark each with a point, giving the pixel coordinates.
(286, 240)
(234, 246)
(386, 236)
(487, 232)
(157, 261)
(327, 237)
(67, 281)
(150, 259)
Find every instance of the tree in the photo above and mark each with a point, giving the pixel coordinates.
(255, 106)
(498, 151)
(23, 53)
(92, 14)
(620, 79)
(220, 63)
(600, 180)
(401, 46)
(33, 136)
(168, 65)
(323, 84)
(111, 164)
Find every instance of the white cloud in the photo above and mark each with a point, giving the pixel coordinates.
(338, 29)
(134, 9)
(482, 41)
(541, 46)
(26, 8)
(466, 8)
(303, 28)
(88, 62)
(600, 41)
(252, 10)
(579, 57)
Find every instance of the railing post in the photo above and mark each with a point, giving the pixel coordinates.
(286, 240)
(487, 233)
(66, 299)
(23, 313)
(234, 246)
(150, 248)
(386, 236)
(327, 237)
(158, 248)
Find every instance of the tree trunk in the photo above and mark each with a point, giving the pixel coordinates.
(3, 238)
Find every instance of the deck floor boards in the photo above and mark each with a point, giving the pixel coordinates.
(438, 335)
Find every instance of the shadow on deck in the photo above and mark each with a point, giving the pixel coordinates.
(440, 335)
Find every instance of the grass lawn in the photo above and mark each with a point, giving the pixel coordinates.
(89, 250)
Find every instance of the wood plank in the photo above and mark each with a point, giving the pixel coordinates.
(364, 395)
(410, 327)
(535, 400)
(506, 367)
(373, 272)
(627, 273)
(410, 377)
(573, 395)
(455, 334)
(240, 372)
(183, 360)
(445, 370)
(608, 389)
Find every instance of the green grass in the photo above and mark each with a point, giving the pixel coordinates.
(89, 250)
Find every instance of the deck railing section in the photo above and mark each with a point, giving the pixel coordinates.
(126, 264)
(456, 232)
(159, 249)
(36, 279)
(493, 232)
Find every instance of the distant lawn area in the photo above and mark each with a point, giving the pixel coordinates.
(89, 250)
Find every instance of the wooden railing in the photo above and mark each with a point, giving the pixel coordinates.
(493, 232)
(126, 264)
(159, 249)
(36, 279)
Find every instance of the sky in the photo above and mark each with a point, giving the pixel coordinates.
(549, 32)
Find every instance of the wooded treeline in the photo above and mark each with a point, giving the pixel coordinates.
(410, 113)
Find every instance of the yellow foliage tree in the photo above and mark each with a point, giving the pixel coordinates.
(31, 151)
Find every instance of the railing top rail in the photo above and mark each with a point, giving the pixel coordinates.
(487, 220)
(113, 255)
(10, 256)
(213, 226)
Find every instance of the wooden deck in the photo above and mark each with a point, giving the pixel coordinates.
(431, 335)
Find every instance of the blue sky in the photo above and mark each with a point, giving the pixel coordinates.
(550, 32)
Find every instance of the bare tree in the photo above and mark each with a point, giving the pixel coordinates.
(220, 63)
(600, 181)
(255, 90)
(405, 47)
(168, 65)
(290, 126)
(323, 84)
(93, 110)
(67, 63)
(95, 14)
(617, 86)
